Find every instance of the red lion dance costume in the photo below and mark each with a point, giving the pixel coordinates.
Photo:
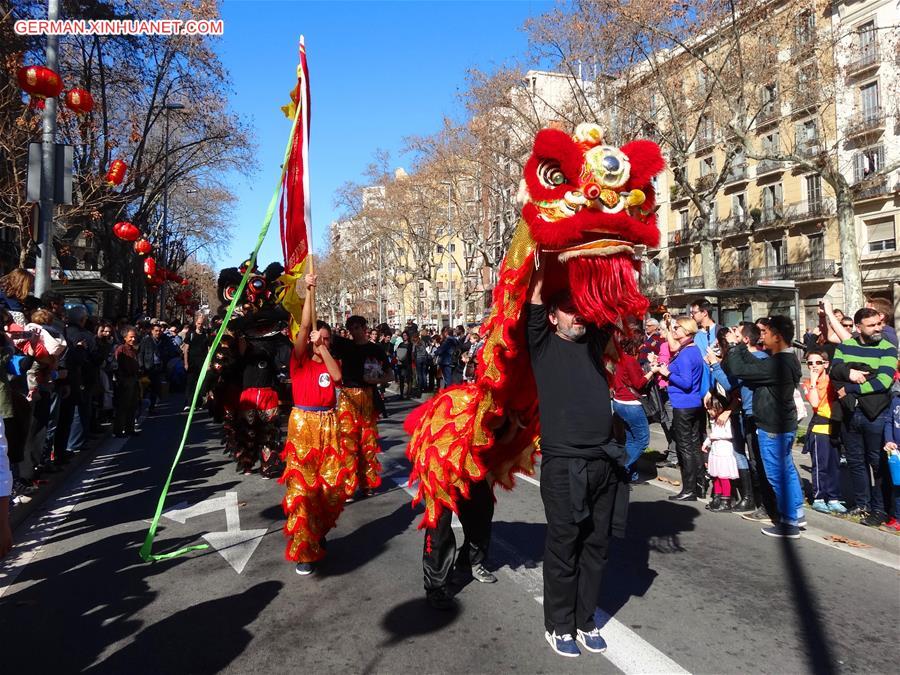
(587, 206)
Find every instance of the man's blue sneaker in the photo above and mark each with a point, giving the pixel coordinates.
(563, 645)
(820, 506)
(591, 640)
(834, 506)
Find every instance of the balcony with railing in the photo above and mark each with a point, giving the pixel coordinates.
(769, 216)
(680, 237)
(735, 278)
(652, 288)
(736, 224)
(867, 59)
(804, 47)
(809, 148)
(767, 166)
(737, 173)
(805, 97)
(679, 284)
(810, 210)
(808, 270)
(770, 113)
(705, 139)
(866, 122)
(871, 188)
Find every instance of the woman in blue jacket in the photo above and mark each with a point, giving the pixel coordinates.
(685, 376)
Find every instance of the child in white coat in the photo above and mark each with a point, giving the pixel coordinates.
(722, 460)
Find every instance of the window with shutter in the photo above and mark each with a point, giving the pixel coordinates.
(816, 247)
(881, 235)
(870, 101)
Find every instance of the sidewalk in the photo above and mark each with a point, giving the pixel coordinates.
(835, 525)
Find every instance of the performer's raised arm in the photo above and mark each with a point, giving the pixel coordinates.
(302, 339)
(321, 341)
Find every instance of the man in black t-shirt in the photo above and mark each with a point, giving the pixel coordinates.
(578, 465)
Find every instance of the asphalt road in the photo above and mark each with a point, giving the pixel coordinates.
(687, 590)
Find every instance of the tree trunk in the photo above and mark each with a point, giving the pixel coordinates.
(707, 254)
(850, 270)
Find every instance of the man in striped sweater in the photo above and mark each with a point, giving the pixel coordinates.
(862, 371)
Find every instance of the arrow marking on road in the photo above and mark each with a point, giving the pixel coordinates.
(234, 544)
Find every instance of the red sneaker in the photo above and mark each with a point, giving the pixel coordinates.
(893, 523)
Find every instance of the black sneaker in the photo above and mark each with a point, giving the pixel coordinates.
(758, 516)
(857, 512)
(782, 531)
(874, 519)
(440, 599)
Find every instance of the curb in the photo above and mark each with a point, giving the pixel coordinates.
(19, 513)
(874, 537)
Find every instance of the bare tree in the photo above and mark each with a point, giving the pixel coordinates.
(731, 75)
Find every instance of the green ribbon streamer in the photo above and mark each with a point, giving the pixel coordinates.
(146, 554)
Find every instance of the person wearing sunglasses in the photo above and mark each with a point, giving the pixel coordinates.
(826, 478)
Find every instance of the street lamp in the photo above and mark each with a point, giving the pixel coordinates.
(449, 259)
(163, 240)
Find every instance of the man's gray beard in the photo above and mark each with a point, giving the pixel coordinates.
(575, 332)
(874, 339)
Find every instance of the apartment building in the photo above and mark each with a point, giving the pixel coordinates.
(868, 113)
(776, 220)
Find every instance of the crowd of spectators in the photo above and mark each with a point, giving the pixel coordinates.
(731, 401)
(426, 360)
(68, 375)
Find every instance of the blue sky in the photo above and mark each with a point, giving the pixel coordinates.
(380, 71)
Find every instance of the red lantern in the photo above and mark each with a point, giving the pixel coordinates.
(79, 100)
(172, 276)
(40, 82)
(116, 173)
(126, 231)
(150, 268)
(185, 282)
(142, 247)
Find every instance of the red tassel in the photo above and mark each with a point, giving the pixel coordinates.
(605, 288)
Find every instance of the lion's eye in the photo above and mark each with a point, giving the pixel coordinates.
(550, 174)
(611, 163)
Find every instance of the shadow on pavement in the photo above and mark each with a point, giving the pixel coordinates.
(204, 638)
(415, 617)
(652, 526)
(366, 542)
(815, 642)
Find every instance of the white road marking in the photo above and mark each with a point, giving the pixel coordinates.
(626, 650)
(40, 525)
(874, 555)
(234, 544)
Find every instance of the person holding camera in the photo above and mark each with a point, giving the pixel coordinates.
(685, 376)
(774, 381)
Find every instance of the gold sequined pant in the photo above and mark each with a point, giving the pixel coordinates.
(359, 431)
(320, 474)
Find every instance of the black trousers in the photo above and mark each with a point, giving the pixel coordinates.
(475, 516)
(575, 552)
(689, 425)
(765, 495)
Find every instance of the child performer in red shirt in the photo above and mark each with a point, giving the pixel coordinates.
(319, 474)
